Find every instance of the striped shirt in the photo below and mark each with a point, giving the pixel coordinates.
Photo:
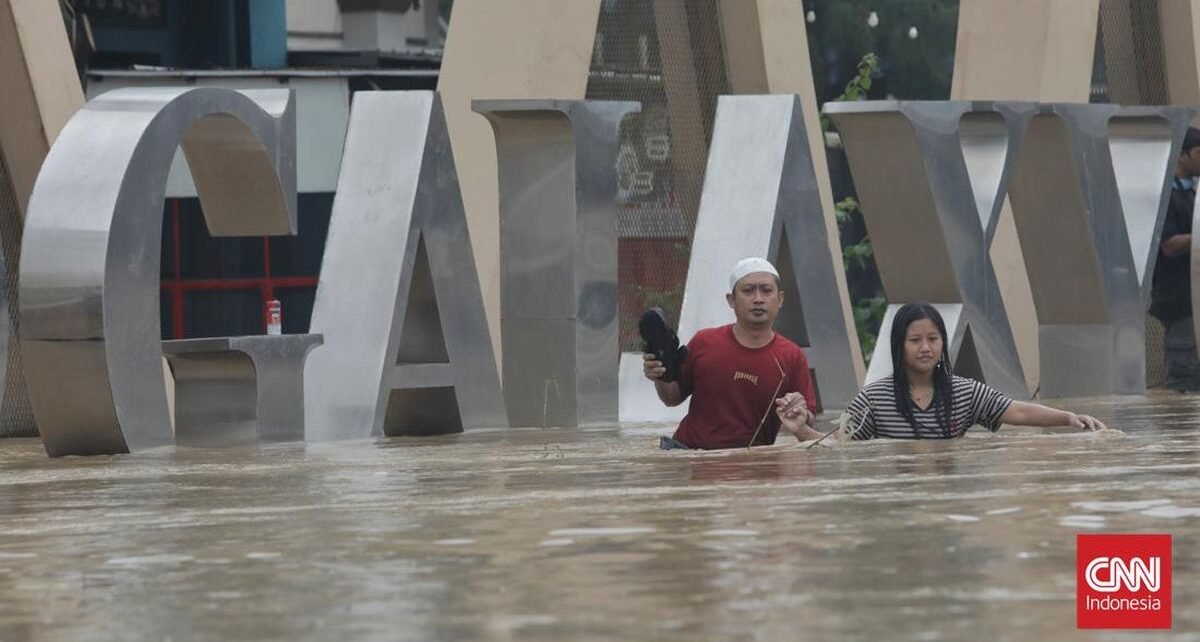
(873, 411)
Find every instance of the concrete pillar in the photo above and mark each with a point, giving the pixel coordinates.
(1023, 50)
(39, 92)
(513, 49)
(39, 88)
(543, 49)
(1180, 31)
(766, 52)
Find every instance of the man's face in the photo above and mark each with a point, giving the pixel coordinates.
(1189, 161)
(756, 300)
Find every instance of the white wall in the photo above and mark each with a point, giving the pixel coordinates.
(386, 31)
(314, 24)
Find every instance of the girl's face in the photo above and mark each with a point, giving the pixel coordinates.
(922, 347)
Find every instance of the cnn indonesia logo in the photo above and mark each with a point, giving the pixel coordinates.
(1123, 581)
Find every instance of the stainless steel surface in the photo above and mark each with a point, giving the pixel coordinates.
(216, 399)
(1088, 196)
(236, 391)
(407, 349)
(322, 105)
(760, 199)
(1088, 185)
(89, 276)
(931, 177)
(594, 534)
(558, 255)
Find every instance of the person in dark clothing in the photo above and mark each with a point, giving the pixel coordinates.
(1171, 293)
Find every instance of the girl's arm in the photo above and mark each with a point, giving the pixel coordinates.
(1020, 413)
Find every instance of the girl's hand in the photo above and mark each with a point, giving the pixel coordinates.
(791, 406)
(1086, 422)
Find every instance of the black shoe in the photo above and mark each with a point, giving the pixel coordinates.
(662, 342)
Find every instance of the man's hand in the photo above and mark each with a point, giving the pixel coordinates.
(794, 416)
(652, 368)
(793, 405)
(1177, 245)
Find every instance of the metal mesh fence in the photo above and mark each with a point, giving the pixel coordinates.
(16, 420)
(1130, 69)
(665, 54)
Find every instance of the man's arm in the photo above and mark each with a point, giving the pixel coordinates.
(1177, 245)
(671, 394)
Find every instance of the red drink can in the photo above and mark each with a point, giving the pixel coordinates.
(274, 317)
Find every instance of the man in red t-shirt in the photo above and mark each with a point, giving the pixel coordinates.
(744, 375)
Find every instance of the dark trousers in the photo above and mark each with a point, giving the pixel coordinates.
(669, 443)
(1179, 351)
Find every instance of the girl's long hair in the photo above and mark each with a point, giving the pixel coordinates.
(943, 376)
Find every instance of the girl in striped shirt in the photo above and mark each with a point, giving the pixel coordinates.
(924, 399)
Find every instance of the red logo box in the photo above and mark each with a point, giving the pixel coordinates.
(1123, 581)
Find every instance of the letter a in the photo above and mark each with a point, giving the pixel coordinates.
(407, 349)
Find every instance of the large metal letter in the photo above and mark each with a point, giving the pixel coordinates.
(237, 391)
(1088, 195)
(407, 349)
(760, 199)
(92, 246)
(558, 254)
(931, 179)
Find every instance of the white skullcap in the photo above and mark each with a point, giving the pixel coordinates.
(750, 266)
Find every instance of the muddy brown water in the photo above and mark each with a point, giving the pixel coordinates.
(567, 534)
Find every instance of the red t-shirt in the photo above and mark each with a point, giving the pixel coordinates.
(733, 386)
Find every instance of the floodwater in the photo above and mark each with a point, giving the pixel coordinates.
(594, 535)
